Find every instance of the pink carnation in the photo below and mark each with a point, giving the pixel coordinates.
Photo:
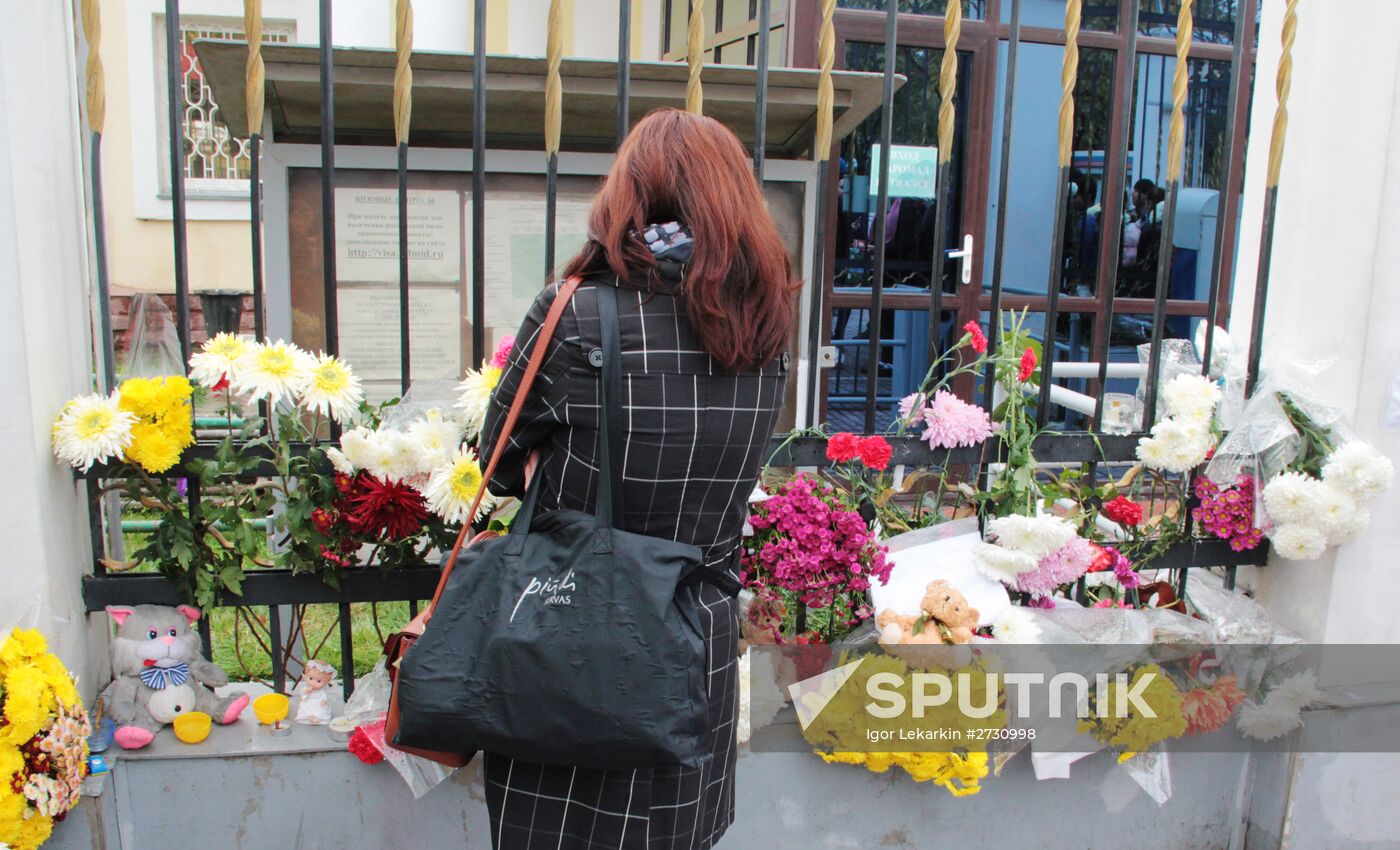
(1063, 566)
(949, 421)
(502, 355)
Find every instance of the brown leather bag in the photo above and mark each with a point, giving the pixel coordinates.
(402, 641)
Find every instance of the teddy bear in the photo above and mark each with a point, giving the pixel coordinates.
(945, 618)
(158, 674)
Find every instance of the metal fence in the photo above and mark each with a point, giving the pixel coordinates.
(275, 591)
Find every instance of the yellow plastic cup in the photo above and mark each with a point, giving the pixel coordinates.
(271, 708)
(192, 726)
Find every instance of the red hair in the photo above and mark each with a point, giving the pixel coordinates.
(737, 288)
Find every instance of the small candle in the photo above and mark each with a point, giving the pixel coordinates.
(340, 728)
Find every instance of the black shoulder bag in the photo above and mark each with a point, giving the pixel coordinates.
(568, 641)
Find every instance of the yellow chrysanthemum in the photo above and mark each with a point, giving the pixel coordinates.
(165, 420)
(27, 697)
(21, 646)
(217, 359)
(1137, 732)
(332, 390)
(452, 487)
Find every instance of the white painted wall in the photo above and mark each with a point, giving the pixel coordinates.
(1335, 286)
(44, 344)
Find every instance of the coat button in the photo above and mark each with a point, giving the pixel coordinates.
(786, 360)
(595, 358)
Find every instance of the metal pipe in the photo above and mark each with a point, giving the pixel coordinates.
(760, 107)
(624, 67)
(1008, 112)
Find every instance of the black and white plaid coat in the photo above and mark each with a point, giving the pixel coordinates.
(695, 439)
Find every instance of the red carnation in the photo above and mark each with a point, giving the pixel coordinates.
(979, 339)
(383, 509)
(874, 452)
(842, 447)
(1028, 361)
(1123, 511)
(362, 748)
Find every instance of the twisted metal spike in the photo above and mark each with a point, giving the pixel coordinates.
(403, 71)
(695, 57)
(553, 86)
(96, 76)
(1176, 135)
(1282, 86)
(826, 98)
(948, 80)
(1069, 76)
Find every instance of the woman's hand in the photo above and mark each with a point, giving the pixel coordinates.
(531, 463)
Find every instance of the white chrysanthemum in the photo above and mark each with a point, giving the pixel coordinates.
(1352, 525)
(1016, 625)
(1191, 397)
(1036, 536)
(1176, 445)
(340, 461)
(391, 456)
(452, 487)
(217, 359)
(1003, 564)
(1292, 497)
(92, 429)
(332, 389)
(474, 396)
(1268, 720)
(1297, 692)
(273, 370)
(1335, 513)
(435, 438)
(1359, 469)
(1298, 542)
(357, 448)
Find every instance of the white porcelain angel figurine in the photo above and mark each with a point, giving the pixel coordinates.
(315, 692)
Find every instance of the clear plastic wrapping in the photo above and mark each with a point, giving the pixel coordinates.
(366, 708)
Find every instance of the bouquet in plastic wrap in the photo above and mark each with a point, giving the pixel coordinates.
(367, 708)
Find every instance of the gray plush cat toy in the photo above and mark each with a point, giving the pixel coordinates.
(158, 674)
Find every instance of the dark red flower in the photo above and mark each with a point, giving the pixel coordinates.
(842, 447)
(323, 520)
(334, 558)
(392, 511)
(221, 385)
(1123, 511)
(345, 483)
(979, 339)
(874, 452)
(1028, 361)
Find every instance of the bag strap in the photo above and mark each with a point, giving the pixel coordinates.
(610, 411)
(542, 339)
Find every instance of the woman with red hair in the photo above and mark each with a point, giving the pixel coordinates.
(705, 301)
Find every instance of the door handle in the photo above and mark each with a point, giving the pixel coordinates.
(964, 258)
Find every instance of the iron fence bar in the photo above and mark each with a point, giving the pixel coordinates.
(254, 78)
(347, 651)
(1069, 73)
(760, 108)
(1282, 85)
(821, 152)
(255, 234)
(327, 68)
(947, 111)
(553, 118)
(877, 285)
(478, 180)
(624, 66)
(1013, 46)
(95, 536)
(174, 90)
(403, 113)
(1242, 15)
(1175, 160)
(274, 644)
(1113, 202)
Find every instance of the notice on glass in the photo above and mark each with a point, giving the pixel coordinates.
(515, 270)
(367, 235)
(369, 335)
